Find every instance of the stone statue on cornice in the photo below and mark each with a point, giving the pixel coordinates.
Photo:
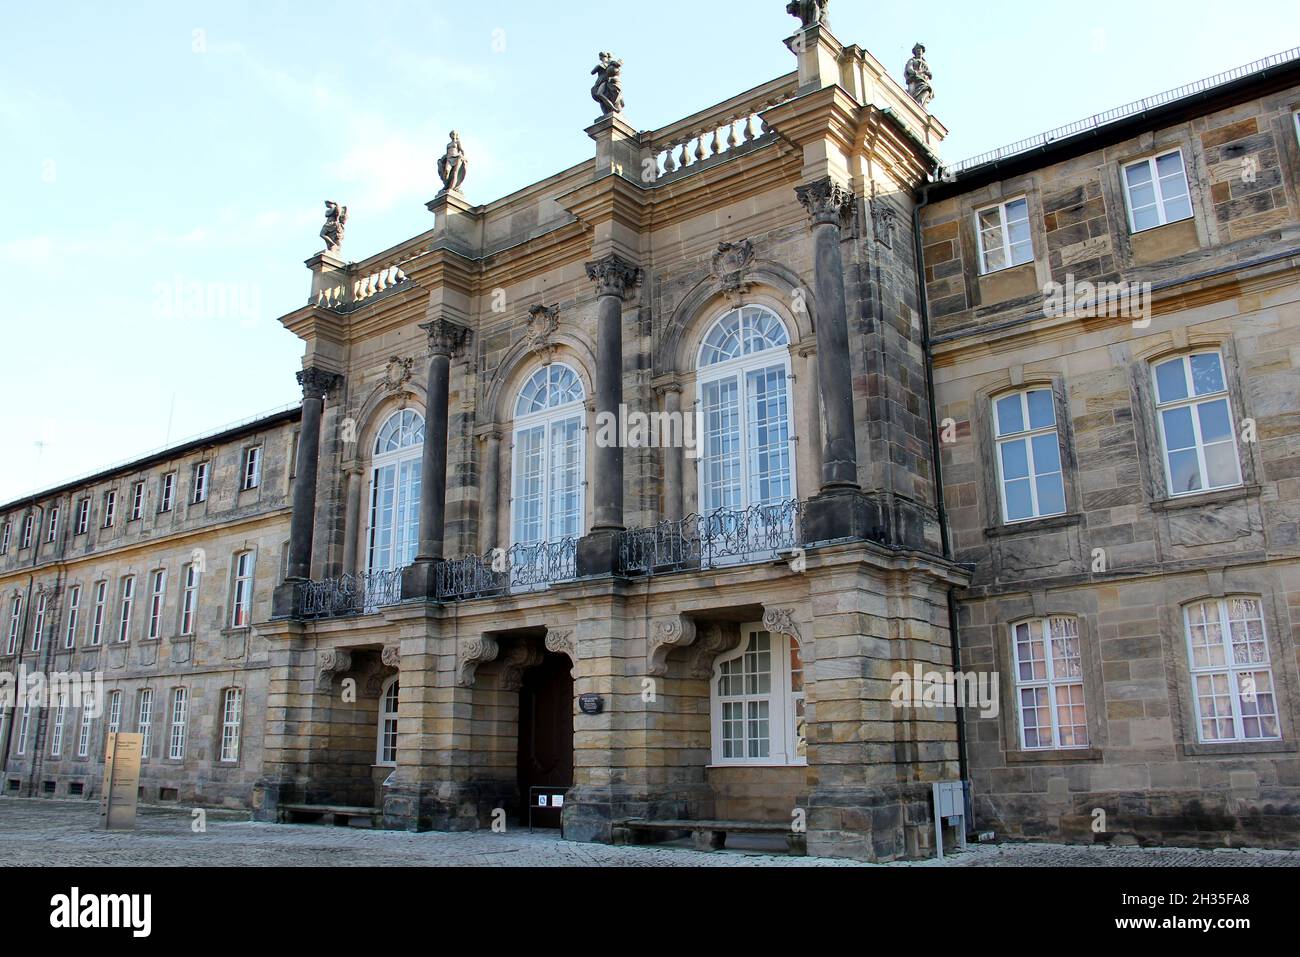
(453, 166)
(810, 12)
(608, 91)
(918, 77)
(336, 218)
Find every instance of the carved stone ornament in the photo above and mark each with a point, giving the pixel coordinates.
(828, 201)
(919, 79)
(613, 276)
(453, 166)
(317, 383)
(475, 652)
(810, 12)
(670, 633)
(445, 338)
(332, 662)
(391, 656)
(730, 264)
(561, 643)
(520, 658)
(884, 217)
(543, 321)
(780, 621)
(608, 91)
(397, 373)
(716, 639)
(336, 218)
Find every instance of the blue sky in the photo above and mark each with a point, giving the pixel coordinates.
(159, 146)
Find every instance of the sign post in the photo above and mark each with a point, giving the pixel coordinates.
(121, 781)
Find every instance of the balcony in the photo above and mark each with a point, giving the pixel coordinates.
(519, 569)
(720, 539)
(349, 595)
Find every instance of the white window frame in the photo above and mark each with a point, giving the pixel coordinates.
(200, 493)
(97, 617)
(176, 737)
(52, 531)
(38, 622)
(23, 725)
(387, 727)
(1151, 162)
(157, 602)
(74, 612)
(114, 724)
(83, 516)
(241, 591)
(4, 537)
(87, 721)
(189, 600)
(232, 707)
(1004, 224)
(783, 701)
(56, 733)
(1231, 669)
(547, 420)
(137, 501)
(252, 470)
(1194, 402)
(1027, 437)
(110, 508)
(144, 721)
(127, 599)
(167, 495)
(1050, 681)
(401, 549)
(26, 541)
(15, 624)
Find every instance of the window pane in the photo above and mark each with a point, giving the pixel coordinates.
(1146, 218)
(1047, 454)
(1019, 503)
(1011, 418)
(1015, 460)
(1184, 473)
(1051, 495)
(1137, 174)
(1221, 463)
(1042, 410)
(1179, 433)
(1171, 381)
(1216, 421)
(1207, 374)
(1176, 209)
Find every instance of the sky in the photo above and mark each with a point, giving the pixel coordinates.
(152, 150)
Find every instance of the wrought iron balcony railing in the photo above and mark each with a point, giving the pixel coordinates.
(721, 538)
(519, 568)
(350, 594)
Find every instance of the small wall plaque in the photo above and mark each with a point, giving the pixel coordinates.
(591, 703)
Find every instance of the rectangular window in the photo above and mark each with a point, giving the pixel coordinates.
(52, 531)
(230, 718)
(26, 541)
(1196, 424)
(176, 743)
(87, 719)
(1028, 447)
(190, 599)
(15, 624)
(241, 605)
(1157, 191)
(144, 723)
(1004, 236)
(1049, 685)
(4, 537)
(38, 626)
(157, 599)
(110, 509)
(1232, 676)
(114, 712)
(168, 494)
(137, 501)
(252, 468)
(128, 599)
(83, 516)
(24, 725)
(74, 611)
(97, 619)
(200, 483)
(56, 733)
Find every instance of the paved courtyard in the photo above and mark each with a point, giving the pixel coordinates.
(35, 833)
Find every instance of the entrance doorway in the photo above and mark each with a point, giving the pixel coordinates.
(546, 739)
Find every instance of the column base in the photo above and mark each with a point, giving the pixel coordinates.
(285, 600)
(447, 806)
(894, 822)
(842, 514)
(598, 554)
(420, 581)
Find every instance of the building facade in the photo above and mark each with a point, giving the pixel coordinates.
(640, 488)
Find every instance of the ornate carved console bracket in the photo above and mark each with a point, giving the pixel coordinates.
(561, 643)
(715, 639)
(679, 632)
(332, 662)
(475, 652)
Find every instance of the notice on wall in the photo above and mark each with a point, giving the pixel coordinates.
(121, 781)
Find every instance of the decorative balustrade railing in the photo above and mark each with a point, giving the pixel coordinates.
(519, 568)
(366, 287)
(724, 537)
(350, 594)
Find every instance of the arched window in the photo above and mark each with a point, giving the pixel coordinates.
(549, 453)
(757, 702)
(744, 389)
(395, 493)
(386, 748)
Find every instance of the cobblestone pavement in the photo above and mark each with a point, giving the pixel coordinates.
(35, 833)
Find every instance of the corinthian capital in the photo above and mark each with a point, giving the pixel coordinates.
(317, 383)
(445, 337)
(828, 201)
(613, 276)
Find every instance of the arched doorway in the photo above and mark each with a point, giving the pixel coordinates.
(546, 739)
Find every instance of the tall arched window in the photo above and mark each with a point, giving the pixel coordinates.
(386, 746)
(548, 457)
(744, 390)
(395, 493)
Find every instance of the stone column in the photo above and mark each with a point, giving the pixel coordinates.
(614, 277)
(490, 482)
(444, 339)
(351, 518)
(316, 384)
(672, 397)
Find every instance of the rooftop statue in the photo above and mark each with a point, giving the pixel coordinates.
(453, 166)
(608, 91)
(918, 76)
(336, 218)
(810, 12)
